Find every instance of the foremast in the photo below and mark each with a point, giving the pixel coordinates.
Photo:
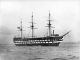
(49, 24)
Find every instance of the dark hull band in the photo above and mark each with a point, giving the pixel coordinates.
(46, 44)
(51, 41)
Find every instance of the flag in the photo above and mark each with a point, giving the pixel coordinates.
(18, 27)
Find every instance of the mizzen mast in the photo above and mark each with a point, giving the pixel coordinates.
(21, 29)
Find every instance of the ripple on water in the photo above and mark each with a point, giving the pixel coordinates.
(70, 57)
(59, 59)
(36, 58)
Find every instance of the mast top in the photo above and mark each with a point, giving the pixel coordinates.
(32, 14)
(49, 15)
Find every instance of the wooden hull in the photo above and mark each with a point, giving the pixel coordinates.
(55, 41)
(42, 44)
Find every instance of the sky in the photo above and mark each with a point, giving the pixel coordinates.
(64, 15)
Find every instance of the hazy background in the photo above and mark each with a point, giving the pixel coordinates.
(64, 13)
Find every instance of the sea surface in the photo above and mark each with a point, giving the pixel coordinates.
(66, 51)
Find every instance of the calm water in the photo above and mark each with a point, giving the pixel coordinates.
(66, 51)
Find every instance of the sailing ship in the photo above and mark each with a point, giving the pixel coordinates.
(51, 40)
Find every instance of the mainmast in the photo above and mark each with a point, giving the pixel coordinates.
(32, 26)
